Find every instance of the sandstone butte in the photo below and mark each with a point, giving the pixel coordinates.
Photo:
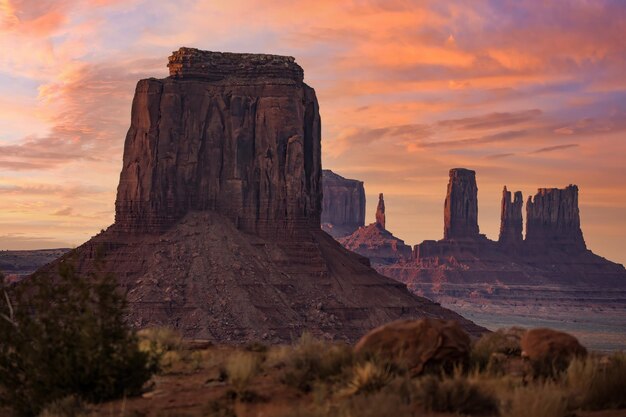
(217, 217)
(466, 264)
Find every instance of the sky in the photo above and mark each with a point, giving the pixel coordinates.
(529, 94)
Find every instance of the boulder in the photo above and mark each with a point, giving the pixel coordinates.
(421, 345)
(550, 350)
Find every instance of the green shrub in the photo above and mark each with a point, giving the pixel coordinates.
(453, 394)
(311, 361)
(598, 384)
(66, 336)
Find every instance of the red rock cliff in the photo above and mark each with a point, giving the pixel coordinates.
(511, 223)
(553, 219)
(343, 207)
(461, 205)
(234, 133)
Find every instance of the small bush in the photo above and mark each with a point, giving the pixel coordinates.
(160, 340)
(454, 394)
(311, 361)
(596, 384)
(63, 336)
(491, 345)
(542, 399)
(369, 377)
(241, 367)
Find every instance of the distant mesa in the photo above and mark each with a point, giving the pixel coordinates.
(466, 265)
(219, 208)
(343, 204)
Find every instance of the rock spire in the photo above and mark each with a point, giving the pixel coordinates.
(380, 211)
(461, 205)
(511, 223)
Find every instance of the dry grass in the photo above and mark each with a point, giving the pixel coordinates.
(241, 367)
(310, 361)
(492, 345)
(597, 383)
(541, 399)
(369, 377)
(454, 394)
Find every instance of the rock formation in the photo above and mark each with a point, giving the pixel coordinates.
(380, 211)
(217, 230)
(511, 223)
(375, 242)
(553, 220)
(235, 133)
(461, 205)
(549, 276)
(343, 205)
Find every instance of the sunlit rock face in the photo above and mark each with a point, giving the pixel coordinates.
(235, 133)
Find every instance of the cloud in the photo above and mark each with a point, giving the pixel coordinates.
(491, 120)
(555, 148)
(481, 140)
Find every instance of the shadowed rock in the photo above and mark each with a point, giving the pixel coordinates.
(550, 350)
(553, 219)
(461, 205)
(343, 206)
(421, 345)
(511, 223)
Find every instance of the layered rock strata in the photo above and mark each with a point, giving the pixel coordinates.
(511, 223)
(343, 205)
(461, 205)
(553, 220)
(247, 147)
(217, 229)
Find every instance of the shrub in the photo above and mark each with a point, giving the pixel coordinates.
(311, 361)
(598, 384)
(542, 399)
(505, 342)
(160, 340)
(453, 394)
(241, 367)
(66, 336)
(369, 377)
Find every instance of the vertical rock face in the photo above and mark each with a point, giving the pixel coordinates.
(343, 206)
(553, 219)
(511, 223)
(235, 133)
(380, 211)
(461, 205)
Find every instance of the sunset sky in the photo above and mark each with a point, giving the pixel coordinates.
(528, 93)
